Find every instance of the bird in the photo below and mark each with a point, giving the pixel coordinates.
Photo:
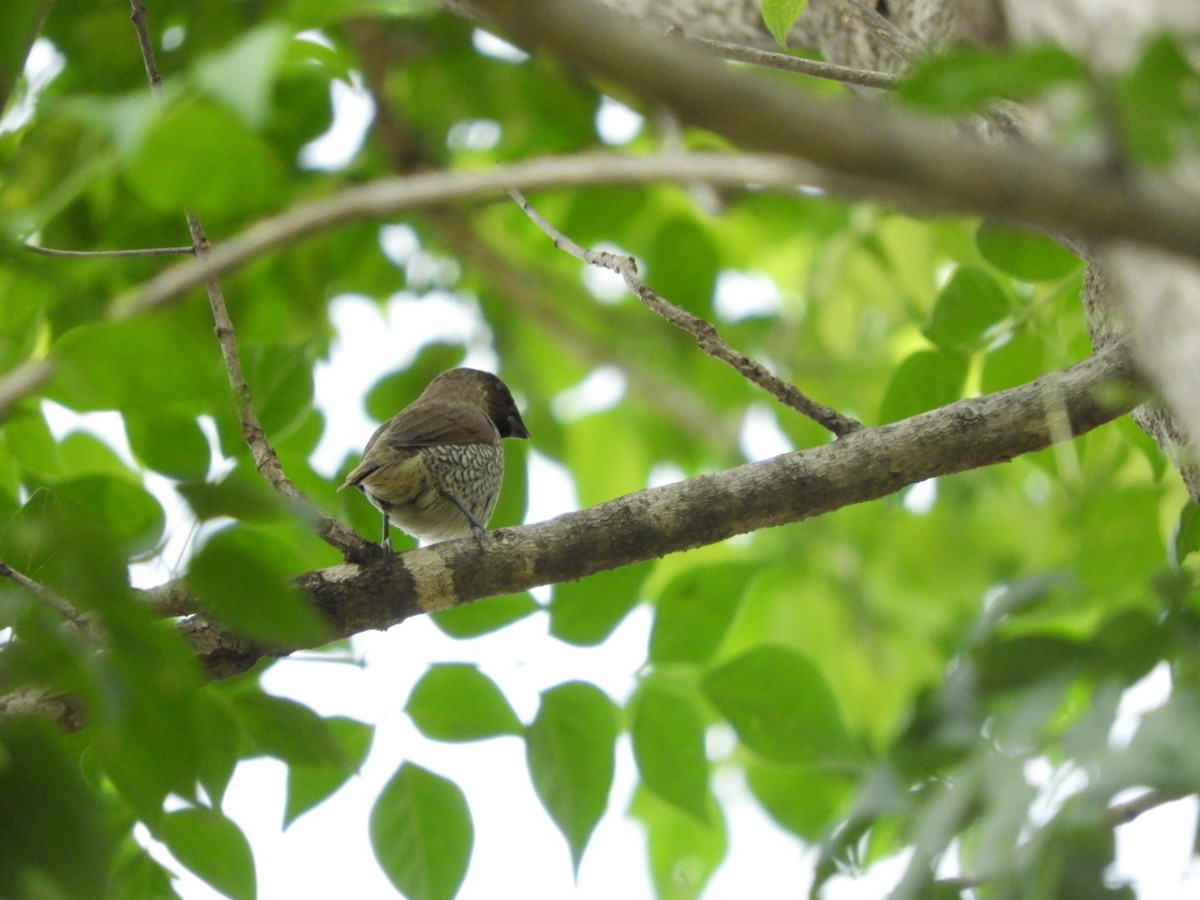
(434, 469)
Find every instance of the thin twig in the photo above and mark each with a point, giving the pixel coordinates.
(23, 381)
(1124, 813)
(883, 32)
(85, 254)
(774, 60)
(266, 460)
(44, 596)
(703, 331)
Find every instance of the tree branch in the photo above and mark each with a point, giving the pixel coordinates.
(387, 197)
(23, 381)
(784, 62)
(333, 532)
(864, 465)
(946, 169)
(90, 254)
(703, 331)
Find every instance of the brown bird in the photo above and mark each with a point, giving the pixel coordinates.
(434, 469)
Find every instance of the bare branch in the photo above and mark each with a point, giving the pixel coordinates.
(436, 189)
(87, 254)
(44, 596)
(1124, 813)
(784, 62)
(23, 381)
(266, 460)
(703, 331)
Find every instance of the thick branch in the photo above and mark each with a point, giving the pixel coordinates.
(864, 465)
(946, 169)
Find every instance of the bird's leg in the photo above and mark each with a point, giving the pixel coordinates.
(386, 543)
(476, 528)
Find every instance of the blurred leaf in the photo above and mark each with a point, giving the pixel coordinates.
(128, 512)
(1018, 361)
(213, 847)
(241, 575)
(1024, 254)
(1158, 102)
(457, 702)
(310, 785)
(569, 749)
(967, 79)
(779, 17)
(684, 853)
(198, 144)
(289, 731)
(167, 442)
(52, 827)
(422, 834)
(780, 706)
(1185, 537)
(668, 746)
(241, 494)
(242, 74)
(966, 307)
(923, 381)
(695, 611)
(802, 799)
(586, 612)
(484, 616)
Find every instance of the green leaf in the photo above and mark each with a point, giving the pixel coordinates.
(668, 746)
(780, 16)
(242, 74)
(202, 157)
(969, 304)
(1158, 104)
(52, 826)
(695, 611)
(129, 513)
(803, 799)
(213, 847)
(288, 730)
(1185, 537)
(780, 706)
(168, 442)
(241, 494)
(241, 575)
(684, 852)
(308, 786)
(569, 750)
(422, 834)
(1023, 254)
(925, 380)
(1017, 361)
(484, 616)
(586, 612)
(966, 78)
(457, 702)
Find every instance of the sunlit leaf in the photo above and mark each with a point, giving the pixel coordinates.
(780, 706)
(213, 847)
(422, 834)
(668, 746)
(569, 748)
(457, 702)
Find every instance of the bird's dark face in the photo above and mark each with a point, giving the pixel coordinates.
(488, 392)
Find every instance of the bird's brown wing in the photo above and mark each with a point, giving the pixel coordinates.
(422, 424)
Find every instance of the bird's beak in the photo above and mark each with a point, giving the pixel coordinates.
(516, 428)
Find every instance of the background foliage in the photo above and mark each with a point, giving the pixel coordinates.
(893, 673)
